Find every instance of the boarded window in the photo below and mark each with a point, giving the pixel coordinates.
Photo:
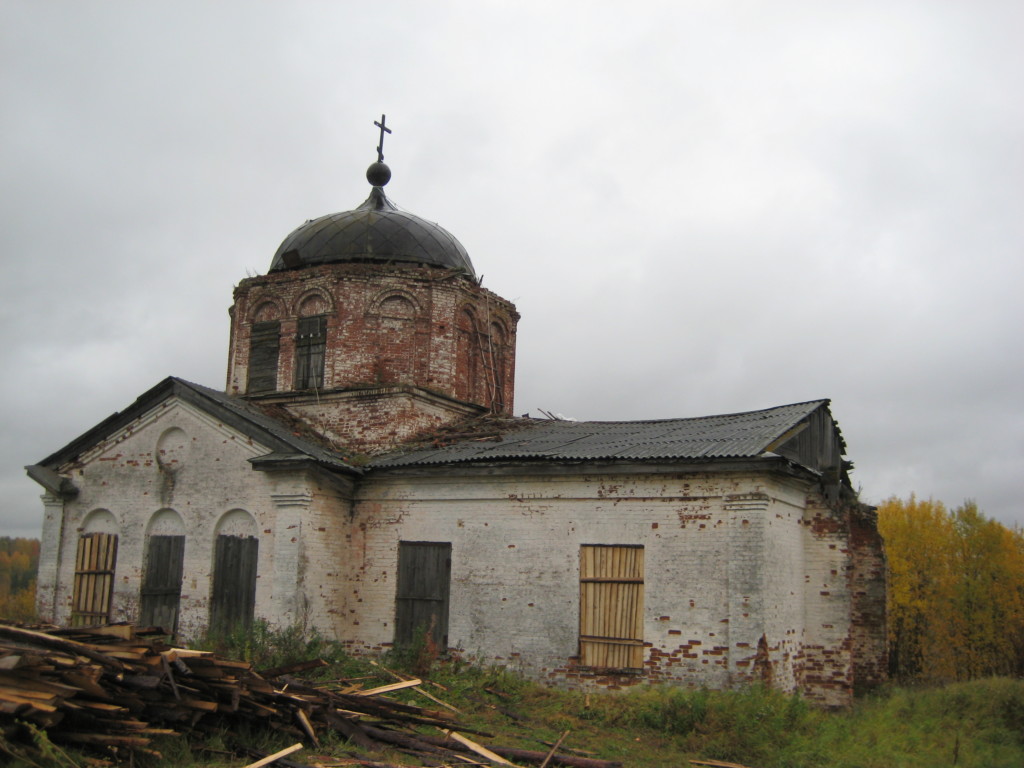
(264, 346)
(424, 576)
(94, 579)
(234, 583)
(309, 352)
(612, 606)
(161, 585)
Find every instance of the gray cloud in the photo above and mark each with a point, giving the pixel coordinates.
(698, 207)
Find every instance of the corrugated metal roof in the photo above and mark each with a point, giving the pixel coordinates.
(734, 435)
(256, 416)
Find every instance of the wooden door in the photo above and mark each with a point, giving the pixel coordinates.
(612, 606)
(234, 583)
(161, 585)
(424, 578)
(94, 579)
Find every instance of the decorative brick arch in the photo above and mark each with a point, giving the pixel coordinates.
(395, 303)
(100, 521)
(236, 522)
(165, 522)
(267, 310)
(314, 302)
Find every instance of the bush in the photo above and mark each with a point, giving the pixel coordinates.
(265, 646)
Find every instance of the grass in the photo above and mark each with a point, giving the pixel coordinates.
(978, 724)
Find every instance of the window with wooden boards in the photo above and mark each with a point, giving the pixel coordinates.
(310, 343)
(612, 606)
(94, 579)
(264, 349)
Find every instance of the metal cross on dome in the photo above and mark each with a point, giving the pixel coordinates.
(383, 129)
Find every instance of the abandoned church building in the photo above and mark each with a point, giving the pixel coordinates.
(363, 474)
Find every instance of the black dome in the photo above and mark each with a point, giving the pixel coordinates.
(375, 231)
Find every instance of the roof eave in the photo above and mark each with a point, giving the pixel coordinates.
(543, 466)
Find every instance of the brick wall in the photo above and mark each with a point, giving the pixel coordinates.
(868, 589)
(389, 328)
(136, 483)
(748, 576)
(735, 574)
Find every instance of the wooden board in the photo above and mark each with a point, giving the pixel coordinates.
(611, 606)
(424, 578)
(94, 578)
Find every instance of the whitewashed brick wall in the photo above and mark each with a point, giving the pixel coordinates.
(747, 575)
(730, 559)
(208, 479)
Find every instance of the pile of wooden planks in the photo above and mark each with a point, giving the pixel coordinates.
(113, 689)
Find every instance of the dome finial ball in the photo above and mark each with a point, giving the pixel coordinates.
(378, 174)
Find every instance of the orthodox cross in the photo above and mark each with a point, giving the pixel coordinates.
(383, 129)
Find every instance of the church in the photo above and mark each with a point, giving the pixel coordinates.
(362, 473)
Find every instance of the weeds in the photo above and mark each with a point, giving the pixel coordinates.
(979, 724)
(265, 646)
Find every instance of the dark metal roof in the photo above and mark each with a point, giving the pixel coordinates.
(247, 418)
(375, 231)
(734, 435)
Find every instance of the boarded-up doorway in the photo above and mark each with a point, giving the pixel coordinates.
(94, 579)
(424, 578)
(612, 606)
(234, 583)
(161, 585)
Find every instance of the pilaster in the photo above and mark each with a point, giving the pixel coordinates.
(50, 549)
(746, 513)
(288, 594)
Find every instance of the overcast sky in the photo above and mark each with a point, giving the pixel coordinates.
(698, 207)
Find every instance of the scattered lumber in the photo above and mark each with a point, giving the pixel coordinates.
(113, 690)
(525, 755)
(275, 757)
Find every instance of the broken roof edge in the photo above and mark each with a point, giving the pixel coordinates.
(562, 467)
(745, 434)
(234, 412)
(809, 403)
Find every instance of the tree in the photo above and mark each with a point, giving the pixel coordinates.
(956, 591)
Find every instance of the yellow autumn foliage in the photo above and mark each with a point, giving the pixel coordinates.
(956, 592)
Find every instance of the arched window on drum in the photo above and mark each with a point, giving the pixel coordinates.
(264, 349)
(311, 343)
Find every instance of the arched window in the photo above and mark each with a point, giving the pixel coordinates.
(160, 594)
(95, 560)
(235, 561)
(311, 343)
(264, 348)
